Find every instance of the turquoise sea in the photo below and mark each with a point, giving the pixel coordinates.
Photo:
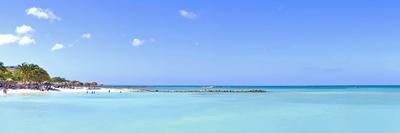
(293, 109)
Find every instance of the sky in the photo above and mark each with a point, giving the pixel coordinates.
(206, 42)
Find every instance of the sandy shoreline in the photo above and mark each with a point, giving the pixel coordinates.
(65, 90)
(84, 90)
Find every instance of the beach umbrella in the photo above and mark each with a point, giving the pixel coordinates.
(2, 83)
(10, 82)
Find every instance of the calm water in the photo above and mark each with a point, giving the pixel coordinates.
(340, 109)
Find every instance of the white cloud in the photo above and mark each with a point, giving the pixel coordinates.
(23, 29)
(42, 14)
(26, 40)
(21, 38)
(187, 14)
(137, 42)
(7, 39)
(57, 46)
(87, 36)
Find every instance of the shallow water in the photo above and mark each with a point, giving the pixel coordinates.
(282, 110)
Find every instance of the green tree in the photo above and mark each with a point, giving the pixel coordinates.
(31, 73)
(59, 79)
(2, 67)
(24, 72)
(3, 71)
(41, 75)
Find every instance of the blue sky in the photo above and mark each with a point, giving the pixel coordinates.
(196, 42)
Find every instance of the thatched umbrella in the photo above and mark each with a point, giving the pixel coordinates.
(47, 85)
(9, 83)
(94, 85)
(2, 83)
(77, 83)
(86, 85)
(65, 84)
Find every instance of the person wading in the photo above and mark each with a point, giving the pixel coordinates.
(5, 91)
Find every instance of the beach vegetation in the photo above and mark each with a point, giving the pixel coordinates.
(59, 79)
(32, 76)
(3, 70)
(31, 73)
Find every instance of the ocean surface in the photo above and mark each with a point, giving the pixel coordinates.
(301, 109)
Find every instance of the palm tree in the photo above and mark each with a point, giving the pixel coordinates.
(3, 70)
(40, 75)
(2, 67)
(24, 72)
(31, 73)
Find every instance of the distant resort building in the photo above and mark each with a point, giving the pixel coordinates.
(11, 67)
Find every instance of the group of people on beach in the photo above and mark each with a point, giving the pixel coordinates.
(94, 92)
(91, 92)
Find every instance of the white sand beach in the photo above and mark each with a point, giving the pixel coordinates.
(11, 92)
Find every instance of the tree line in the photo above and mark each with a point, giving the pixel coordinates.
(29, 74)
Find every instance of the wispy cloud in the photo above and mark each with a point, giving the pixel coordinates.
(24, 29)
(57, 46)
(42, 14)
(86, 35)
(187, 14)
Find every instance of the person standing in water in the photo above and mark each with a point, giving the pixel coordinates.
(5, 91)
